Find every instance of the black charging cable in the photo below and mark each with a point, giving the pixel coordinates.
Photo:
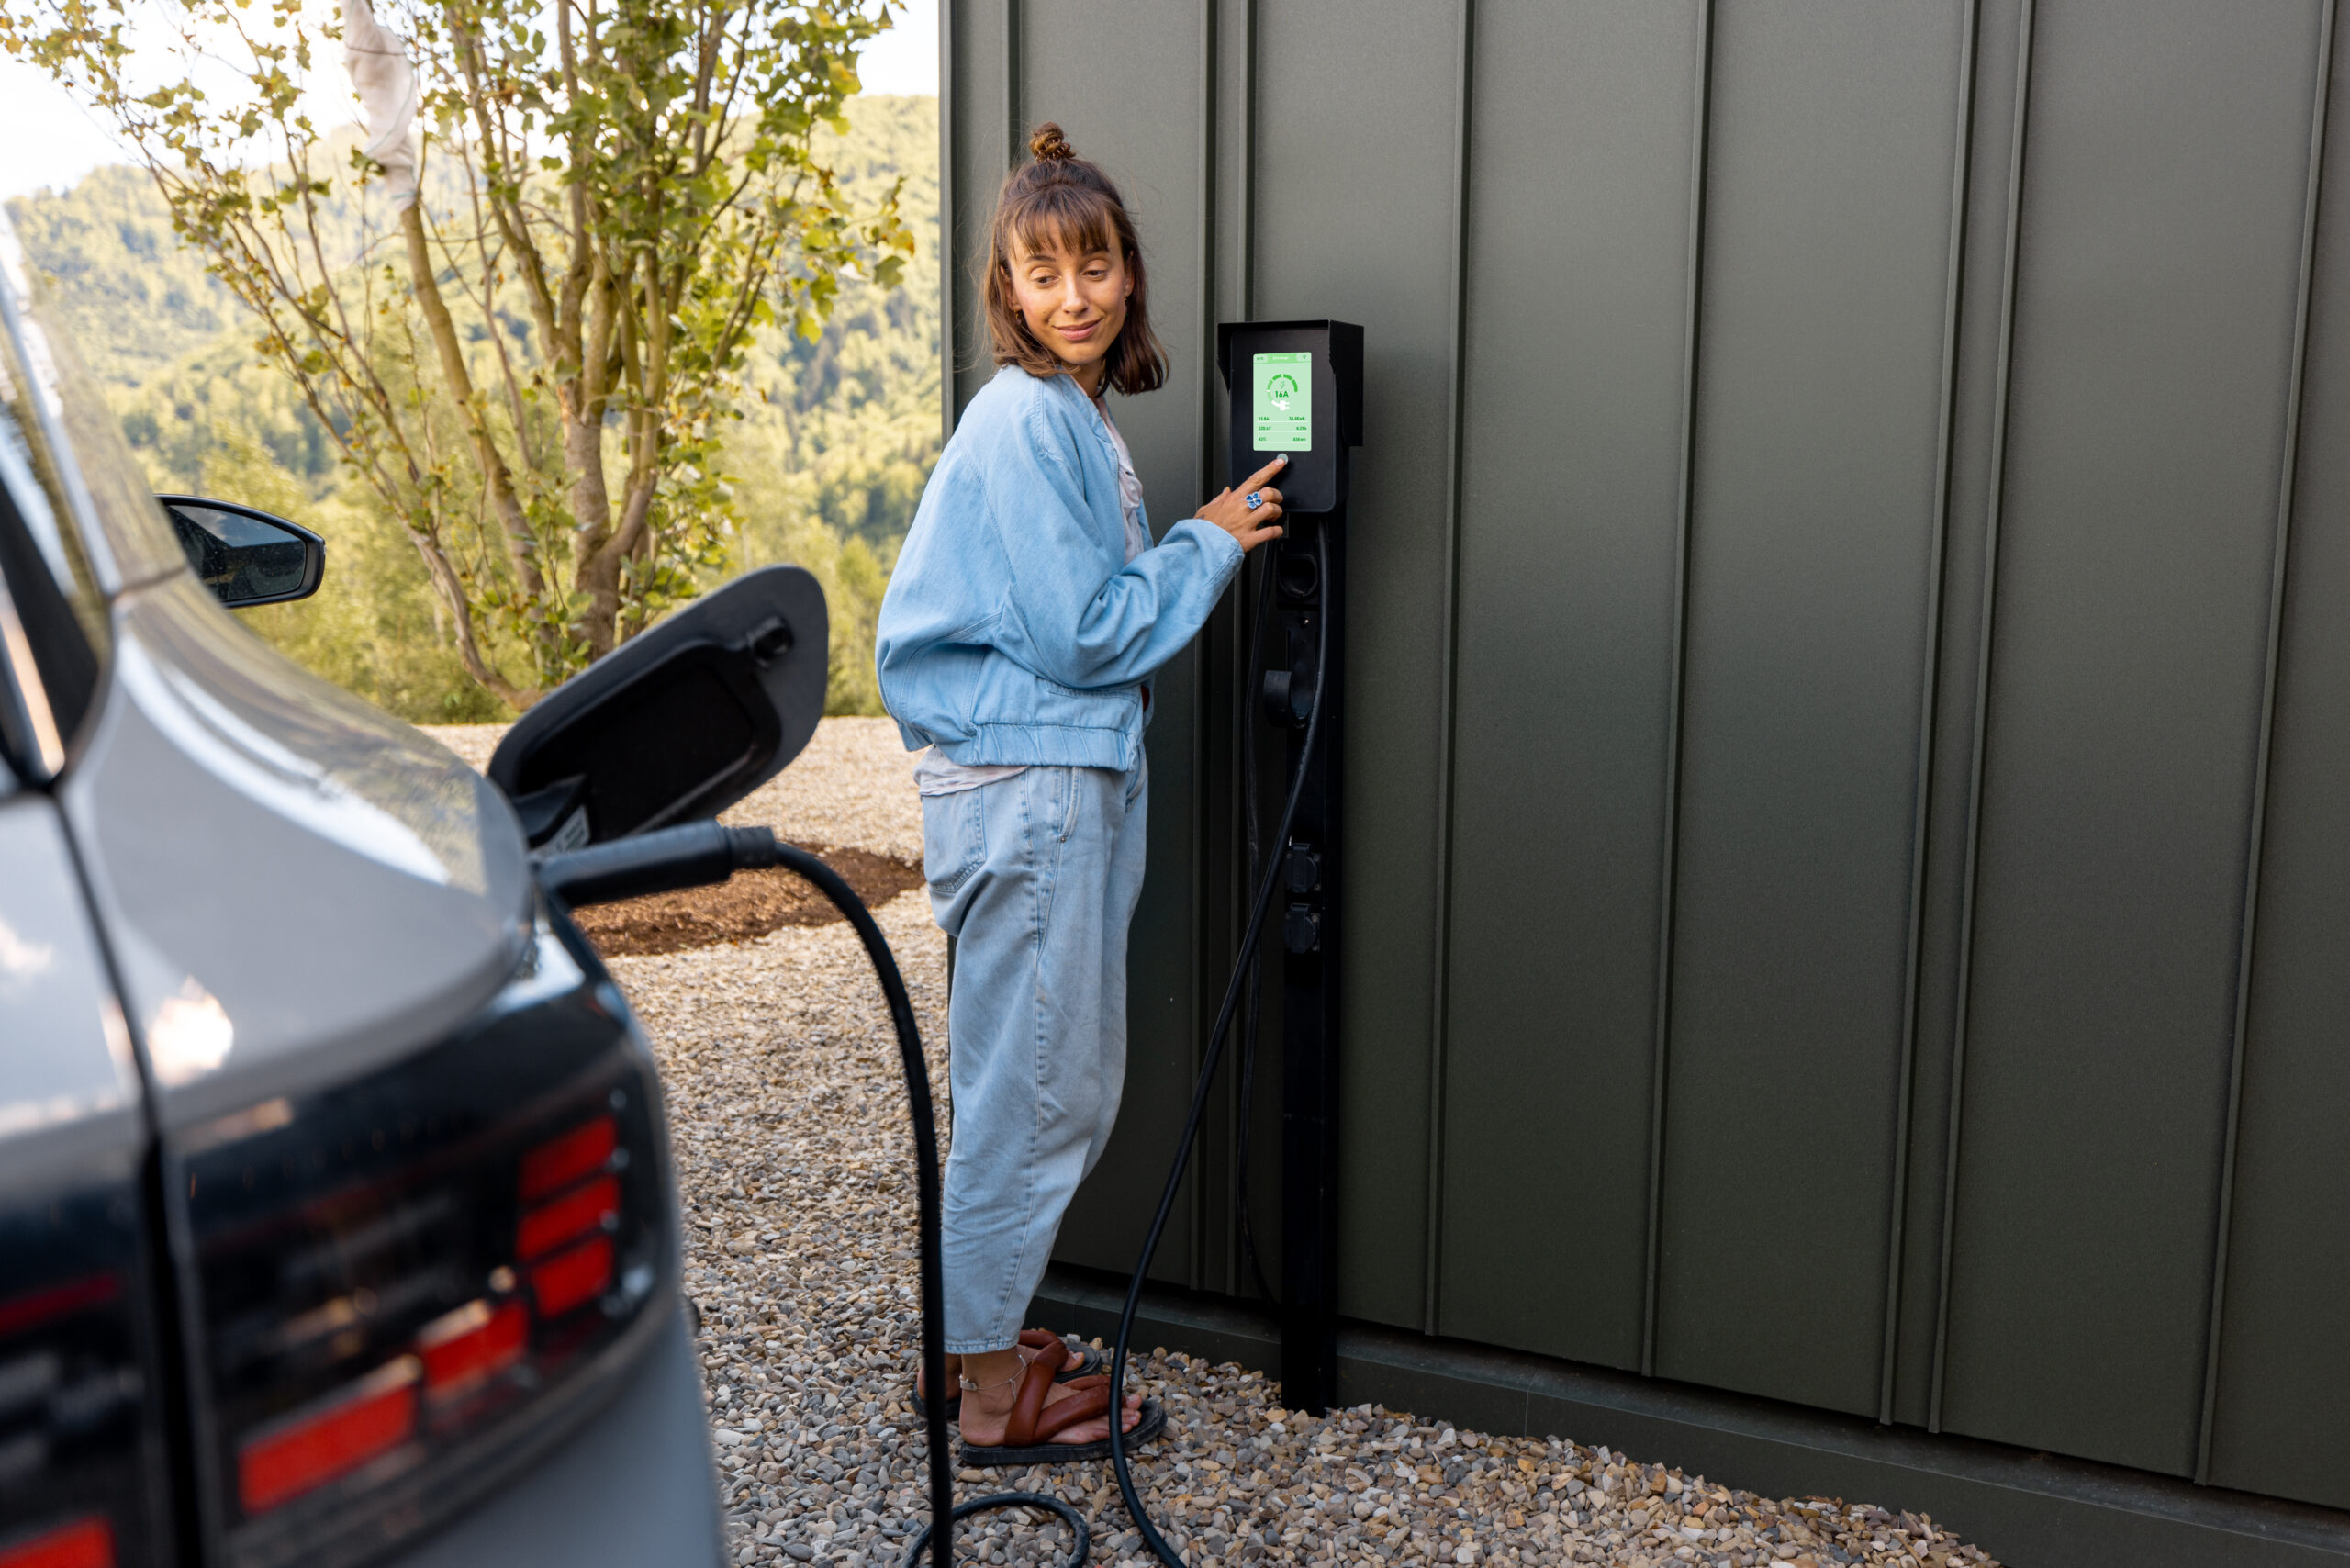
(1157, 1543)
(701, 852)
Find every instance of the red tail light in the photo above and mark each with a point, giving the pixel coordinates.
(574, 1215)
(371, 1418)
(85, 1543)
(39, 1308)
(411, 1284)
(572, 1279)
(557, 1164)
(471, 1345)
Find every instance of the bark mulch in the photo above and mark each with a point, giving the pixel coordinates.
(750, 905)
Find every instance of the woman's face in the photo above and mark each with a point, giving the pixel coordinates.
(1075, 303)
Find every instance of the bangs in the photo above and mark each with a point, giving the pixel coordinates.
(1062, 216)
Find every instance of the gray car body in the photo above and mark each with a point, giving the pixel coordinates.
(275, 888)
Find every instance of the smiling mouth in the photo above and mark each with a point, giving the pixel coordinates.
(1079, 334)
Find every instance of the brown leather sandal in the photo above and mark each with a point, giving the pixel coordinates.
(1027, 1435)
(1088, 1364)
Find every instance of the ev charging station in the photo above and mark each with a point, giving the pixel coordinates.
(1296, 391)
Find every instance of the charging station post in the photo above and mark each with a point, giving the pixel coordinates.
(1296, 391)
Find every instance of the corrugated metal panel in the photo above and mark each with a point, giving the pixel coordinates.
(1821, 369)
(2162, 220)
(1571, 507)
(2278, 1423)
(1865, 651)
(1981, 338)
(1354, 189)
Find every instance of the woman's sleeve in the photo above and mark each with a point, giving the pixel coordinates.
(1063, 622)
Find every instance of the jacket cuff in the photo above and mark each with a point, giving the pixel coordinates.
(1222, 551)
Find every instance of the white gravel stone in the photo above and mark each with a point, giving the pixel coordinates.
(788, 1122)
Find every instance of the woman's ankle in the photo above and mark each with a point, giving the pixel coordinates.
(954, 1374)
(992, 1369)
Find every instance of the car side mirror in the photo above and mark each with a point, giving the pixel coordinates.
(677, 723)
(246, 557)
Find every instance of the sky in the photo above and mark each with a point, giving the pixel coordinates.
(46, 139)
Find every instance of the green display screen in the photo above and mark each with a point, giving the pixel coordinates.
(1283, 387)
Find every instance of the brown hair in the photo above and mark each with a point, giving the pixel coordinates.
(1059, 198)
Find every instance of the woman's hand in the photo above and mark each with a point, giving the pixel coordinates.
(1251, 526)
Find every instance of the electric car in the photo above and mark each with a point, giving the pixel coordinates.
(337, 1220)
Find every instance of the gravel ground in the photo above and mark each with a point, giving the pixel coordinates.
(789, 1130)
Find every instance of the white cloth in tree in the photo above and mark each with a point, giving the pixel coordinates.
(381, 73)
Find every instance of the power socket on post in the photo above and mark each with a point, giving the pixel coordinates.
(1296, 391)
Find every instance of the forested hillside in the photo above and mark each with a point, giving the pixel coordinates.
(826, 463)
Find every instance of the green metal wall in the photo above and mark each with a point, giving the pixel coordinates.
(1848, 737)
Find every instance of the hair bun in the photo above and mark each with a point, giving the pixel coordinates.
(1048, 145)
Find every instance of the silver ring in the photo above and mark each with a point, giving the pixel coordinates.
(1255, 500)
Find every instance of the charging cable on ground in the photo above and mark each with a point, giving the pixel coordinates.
(701, 852)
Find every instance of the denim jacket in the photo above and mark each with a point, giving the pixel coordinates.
(1014, 630)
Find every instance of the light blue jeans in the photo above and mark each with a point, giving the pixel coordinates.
(1035, 877)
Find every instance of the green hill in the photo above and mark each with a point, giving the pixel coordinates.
(827, 462)
(134, 299)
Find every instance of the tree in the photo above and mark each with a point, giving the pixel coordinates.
(523, 339)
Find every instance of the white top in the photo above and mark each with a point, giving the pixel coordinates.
(1129, 489)
(933, 775)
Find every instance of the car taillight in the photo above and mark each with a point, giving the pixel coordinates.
(371, 1418)
(593, 1206)
(412, 1284)
(472, 1344)
(81, 1450)
(560, 1162)
(87, 1542)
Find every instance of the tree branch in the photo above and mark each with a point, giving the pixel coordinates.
(522, 549)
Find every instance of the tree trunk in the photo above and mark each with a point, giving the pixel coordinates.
(522, 549)
(450, 590)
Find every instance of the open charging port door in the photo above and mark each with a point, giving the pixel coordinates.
(677, 723)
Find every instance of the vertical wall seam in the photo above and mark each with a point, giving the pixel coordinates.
(1993, 498)
(1929, 683)
(1669, 853)
(2257, 833)
(1247, 170)
(1448, 685)
(1199, 652)
(1210, 106)
(1015, 137)
(949, 249)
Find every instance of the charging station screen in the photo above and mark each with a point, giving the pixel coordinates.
(1284, 402)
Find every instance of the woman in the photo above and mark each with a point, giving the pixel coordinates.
(1026, 614)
